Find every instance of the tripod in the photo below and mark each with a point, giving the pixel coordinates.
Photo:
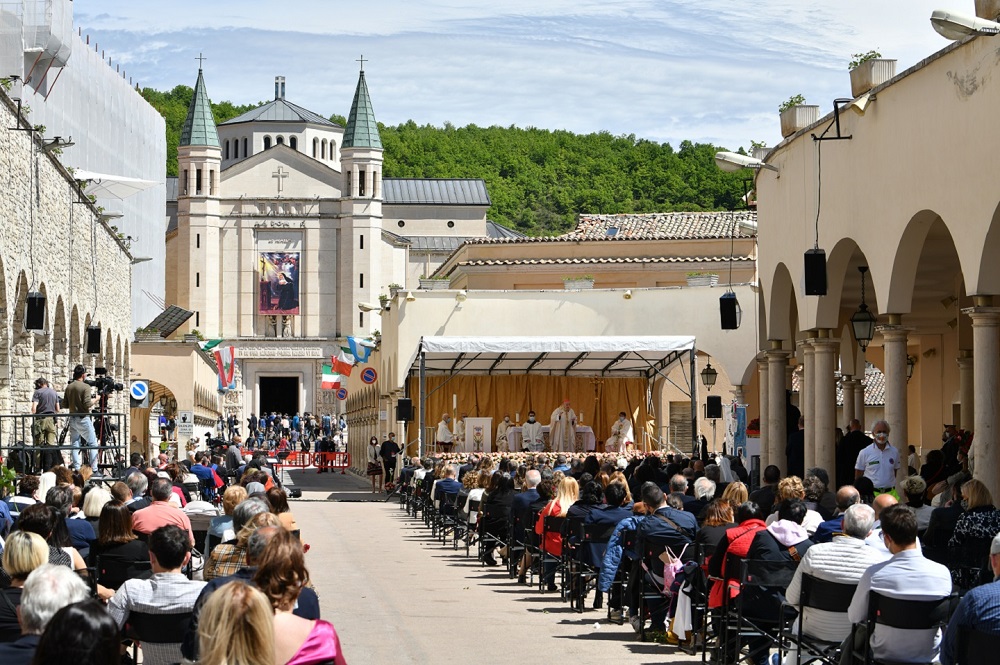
(107, 437)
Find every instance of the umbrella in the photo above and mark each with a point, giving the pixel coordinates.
(105, 186)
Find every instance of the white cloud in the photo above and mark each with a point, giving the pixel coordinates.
(704, 70)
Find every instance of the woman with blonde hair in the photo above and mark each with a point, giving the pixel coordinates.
(567, 493)
(281, 575)
(792, 488)
(93, 504)
(619, 477)
(22, 553)
(236, 628)
(736, 493)
(220, 529)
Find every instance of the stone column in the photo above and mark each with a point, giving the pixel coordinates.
(859, 402)
(824, 404)
(807, 398)
(986, 357)
(894, 346)
(848, 385)
(777, 437)
(738, 394)
(966, 390)
(763, 389)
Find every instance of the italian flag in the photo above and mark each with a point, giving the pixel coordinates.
(342, 362)
(331, 381)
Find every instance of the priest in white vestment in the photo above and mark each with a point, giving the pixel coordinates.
(621, 435)
(502, 443)
(562, 429)
(445, 438)
(531, 434)
(460, 432)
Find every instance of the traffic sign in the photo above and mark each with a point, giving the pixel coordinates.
(369, 375)
(139, 390)
(342, 394)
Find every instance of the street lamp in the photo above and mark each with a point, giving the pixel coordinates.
(709, 375)
(910, 362)
(734, 161)
(863, 321)
(959, 26)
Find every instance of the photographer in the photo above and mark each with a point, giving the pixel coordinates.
(78, 402)
(45, 401)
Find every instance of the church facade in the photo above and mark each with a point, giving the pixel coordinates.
(283, 234)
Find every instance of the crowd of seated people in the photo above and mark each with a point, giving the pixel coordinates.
(737, 573)
(91, 574)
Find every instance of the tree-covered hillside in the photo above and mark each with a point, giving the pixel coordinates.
(539, 180)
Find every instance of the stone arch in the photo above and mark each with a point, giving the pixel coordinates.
(60, 347)
(925, 273)
(108, 351)
(988, 277)
(74, 337)
(783, 299)
(897, 292)
(42, 343)
(119, 365)
(22, 351)
(5, 358)
(844, 285)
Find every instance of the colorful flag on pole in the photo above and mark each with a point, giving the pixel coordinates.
(209, 344)
(342, 362)
(360, 348)
(225, 363)
(331, 380)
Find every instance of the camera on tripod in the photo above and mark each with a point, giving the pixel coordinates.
(105, 384)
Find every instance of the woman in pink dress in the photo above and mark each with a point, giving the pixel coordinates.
(281, 574)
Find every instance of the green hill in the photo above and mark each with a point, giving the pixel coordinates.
(539, 180)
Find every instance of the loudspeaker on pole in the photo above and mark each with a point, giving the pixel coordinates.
(93, 339)
(713, 406)
(404, 409)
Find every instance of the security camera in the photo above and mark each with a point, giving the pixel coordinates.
(959, 26)
(369, 307)
(733, 161)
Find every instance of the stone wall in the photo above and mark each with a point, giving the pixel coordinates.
(53, 241)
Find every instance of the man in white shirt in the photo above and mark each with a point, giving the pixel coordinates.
(843, 560)
(906, 576)
(880, 461)
(531, 434)
(445, 438)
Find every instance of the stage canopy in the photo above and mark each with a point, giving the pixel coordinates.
(635, 356)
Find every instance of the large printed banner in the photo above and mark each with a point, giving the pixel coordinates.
(279, 283)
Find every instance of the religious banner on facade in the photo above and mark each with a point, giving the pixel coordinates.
(279, 283)
(225, 364)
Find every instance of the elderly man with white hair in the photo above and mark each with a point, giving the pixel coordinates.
(48, 589)
(880, 461)
(843, 560)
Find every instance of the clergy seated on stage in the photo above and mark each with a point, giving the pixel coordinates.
(445, 437)
(532, 438)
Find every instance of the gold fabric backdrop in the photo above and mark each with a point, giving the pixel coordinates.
(599, 399)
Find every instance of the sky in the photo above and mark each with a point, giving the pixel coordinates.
(710, 71)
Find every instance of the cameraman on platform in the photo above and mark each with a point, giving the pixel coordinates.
(45, 402)
(78, 402)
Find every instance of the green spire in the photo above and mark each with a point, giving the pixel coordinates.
(199, 126)
(362, 130)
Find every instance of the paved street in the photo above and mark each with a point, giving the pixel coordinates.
(396, 597)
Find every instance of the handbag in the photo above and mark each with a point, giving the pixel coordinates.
(672, 565)
(374, 469)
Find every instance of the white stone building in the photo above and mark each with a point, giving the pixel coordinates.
(282, 225)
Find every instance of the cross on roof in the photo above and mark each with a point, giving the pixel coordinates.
(362, 61)
(200, 59)
(280, 176)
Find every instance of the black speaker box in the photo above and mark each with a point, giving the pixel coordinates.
(34, 312)
(727, 311)
(404, 409)
(815, 272)
(93, 339)
(713, 407)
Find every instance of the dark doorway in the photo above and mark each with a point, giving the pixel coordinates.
(279, 394)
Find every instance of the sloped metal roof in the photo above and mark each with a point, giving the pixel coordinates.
(436, 243)
(171, 183)
(280, 110)
(435, 191)
(494, 230)
(362, 129)
(199, 126)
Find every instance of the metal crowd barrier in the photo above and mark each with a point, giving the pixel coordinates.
(301, 460)
(19, 434)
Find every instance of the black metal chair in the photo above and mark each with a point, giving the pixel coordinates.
(904, 613)
(759, 577)
(448, 517)
(551, 524)
(471, 533)
(112, 571)
(494, 530)
(973, 646)
(156, 629)
(826, 596)
(582, 574)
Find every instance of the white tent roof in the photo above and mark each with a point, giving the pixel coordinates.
(105, 186)
(641, 356)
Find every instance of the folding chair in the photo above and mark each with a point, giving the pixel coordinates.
(494, 530)
(448, 517)
(471, 532)
(904, 613)
(550, 524)
(973, 644)
(759, 632)
(582, 574)
(650, 580)
(156, 629)
(823, 595)
(112, 571)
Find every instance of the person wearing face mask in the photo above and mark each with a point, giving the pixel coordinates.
(621, 434)
(502, 443)
(531, 434)
(445, 437)
(880, 461)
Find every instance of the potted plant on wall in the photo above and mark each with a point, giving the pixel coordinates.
(869, 70)
(434, 283)
(796, 115)
(394, 289)
(578, 283)
(702, 279)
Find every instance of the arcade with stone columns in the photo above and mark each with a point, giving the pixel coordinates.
(911, 197)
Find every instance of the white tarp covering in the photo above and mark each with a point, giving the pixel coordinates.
(570, 356)
(103, 185)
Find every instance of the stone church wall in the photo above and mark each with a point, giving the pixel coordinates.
(56, 244)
